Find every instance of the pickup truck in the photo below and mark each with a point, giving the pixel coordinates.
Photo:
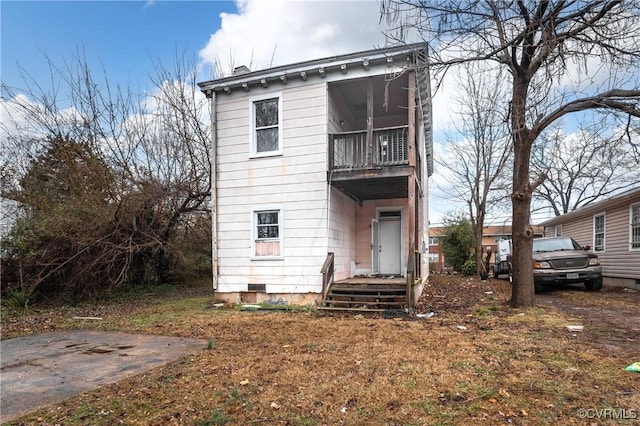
(557, 261)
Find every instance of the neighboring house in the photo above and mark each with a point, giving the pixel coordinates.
(320, 167)
(490, 236)
(611, 228)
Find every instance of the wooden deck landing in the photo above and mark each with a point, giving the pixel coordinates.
(373, 280)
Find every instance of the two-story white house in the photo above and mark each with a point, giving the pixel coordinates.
(320, 179)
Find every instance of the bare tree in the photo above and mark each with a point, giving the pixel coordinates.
(479, 149)
(583, 167)
(155, 146)
(563, 56)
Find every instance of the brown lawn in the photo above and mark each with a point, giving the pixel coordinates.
(476, 361)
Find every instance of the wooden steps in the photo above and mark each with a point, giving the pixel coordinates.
(365, 297)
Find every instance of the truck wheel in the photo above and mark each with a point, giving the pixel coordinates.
(593, 285)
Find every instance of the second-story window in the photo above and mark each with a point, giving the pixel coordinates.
(266, 126)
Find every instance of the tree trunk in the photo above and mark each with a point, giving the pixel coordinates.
(480, 267)
(522, 292)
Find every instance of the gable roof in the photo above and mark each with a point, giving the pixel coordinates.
(627, 197)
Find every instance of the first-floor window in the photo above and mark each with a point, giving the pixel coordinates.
(267, 233)
(599, 232)
(634, 220)
(434, 257)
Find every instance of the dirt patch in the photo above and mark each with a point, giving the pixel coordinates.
(610, 316)
(476, 360)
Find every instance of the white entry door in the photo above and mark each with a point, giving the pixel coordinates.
(389, 246)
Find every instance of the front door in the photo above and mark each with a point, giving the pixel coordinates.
(389, 246)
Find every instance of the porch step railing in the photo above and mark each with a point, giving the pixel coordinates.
(327, 274)
(351, 150)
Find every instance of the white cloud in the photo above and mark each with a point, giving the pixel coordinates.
(264, 34)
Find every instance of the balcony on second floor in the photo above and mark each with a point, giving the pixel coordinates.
(372, 140)
(351, 151)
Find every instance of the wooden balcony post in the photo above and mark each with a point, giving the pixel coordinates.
(369, 121)
(411, 119)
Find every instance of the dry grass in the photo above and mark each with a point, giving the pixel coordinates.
(507, 366)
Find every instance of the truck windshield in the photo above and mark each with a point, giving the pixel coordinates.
(555, 244)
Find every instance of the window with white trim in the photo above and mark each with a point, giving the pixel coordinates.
(634, 225)
(266, 126)
(558, 230)
(267, 233)
(434, 241)
(599, 229)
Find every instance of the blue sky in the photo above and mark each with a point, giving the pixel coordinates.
(123, 37)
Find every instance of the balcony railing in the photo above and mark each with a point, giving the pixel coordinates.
(350, 150)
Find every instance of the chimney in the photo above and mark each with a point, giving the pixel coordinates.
(242, 69)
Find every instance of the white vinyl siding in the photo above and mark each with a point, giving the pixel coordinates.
(634, 227)
(266, 125)
(599, 233)
(294, 182)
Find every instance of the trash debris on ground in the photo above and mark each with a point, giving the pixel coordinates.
(462, 327)
(88, 318)
(575, 328)
(635, 367)
(250, 307)
(427, 315)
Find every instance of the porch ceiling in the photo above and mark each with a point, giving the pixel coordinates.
(362, 186)
(390, 96)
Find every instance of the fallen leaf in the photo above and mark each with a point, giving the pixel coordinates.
(244, 382)
(275, 406)
(504, 393)
(493, 400)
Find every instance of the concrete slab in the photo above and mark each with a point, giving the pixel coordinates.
(46, 368)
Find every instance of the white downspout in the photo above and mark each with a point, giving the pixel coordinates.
(213, 153)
